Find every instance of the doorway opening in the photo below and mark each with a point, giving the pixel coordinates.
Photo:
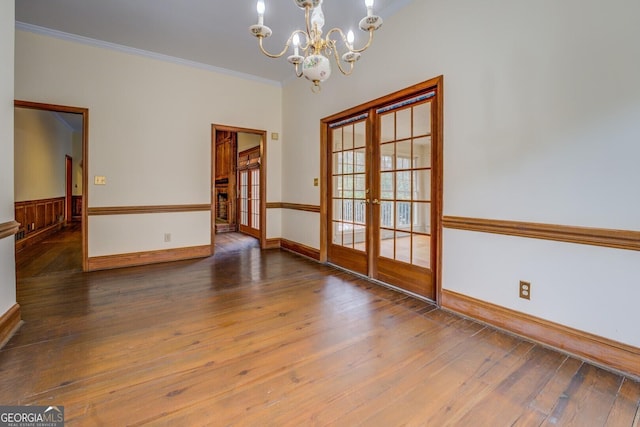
(50, 166)
(382, 166)
(238, 185)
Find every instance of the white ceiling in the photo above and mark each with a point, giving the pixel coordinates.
(210, 32)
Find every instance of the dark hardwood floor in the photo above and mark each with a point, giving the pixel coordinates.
(251, 337)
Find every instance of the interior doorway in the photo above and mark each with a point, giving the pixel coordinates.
(47, 210)
(383, 194)
(238, 185)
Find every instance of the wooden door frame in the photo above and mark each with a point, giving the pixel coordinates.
(85, 162)
(436, 83)
(263, 179)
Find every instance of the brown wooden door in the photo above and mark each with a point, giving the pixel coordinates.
(402, 201)
(348, 189)
(249, 192)
(381, 209)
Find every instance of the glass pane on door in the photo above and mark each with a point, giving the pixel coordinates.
(255, 199)
(244, 198)
(405, 183)
(349, 185)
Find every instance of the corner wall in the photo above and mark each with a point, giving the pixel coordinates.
(542, 123)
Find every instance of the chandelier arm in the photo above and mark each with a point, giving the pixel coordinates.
(337, 58)
(371, 30)
(340, 33)
(271, 55)
(306, 37)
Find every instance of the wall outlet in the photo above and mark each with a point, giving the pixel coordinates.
(167, 237)
(525, 290)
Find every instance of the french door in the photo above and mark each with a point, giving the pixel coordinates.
(249, 192)
(383, 190)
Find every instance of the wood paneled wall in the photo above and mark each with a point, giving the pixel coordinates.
(37, 219)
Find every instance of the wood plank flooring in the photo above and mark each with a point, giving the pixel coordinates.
(266, 338)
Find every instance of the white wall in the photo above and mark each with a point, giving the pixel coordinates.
(542, 123)
(41, 142)
(7, 246)
(149, 130)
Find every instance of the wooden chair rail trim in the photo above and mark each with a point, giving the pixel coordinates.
(39, 201)
(293, 206)
(149, 257)
(10, 322)
(128, 210)
(602, 351)
(8, 228)
(300, 249)
(620, 239)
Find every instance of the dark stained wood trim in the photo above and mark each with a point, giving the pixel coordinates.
(8, 228)
(621, 239)
(438, 171)
(602, 351)
(324, 190)
(10, 322)
(149, 257)
(293, 206)
(376, 103)
(300, 249)
(272, 244)
(128, 210)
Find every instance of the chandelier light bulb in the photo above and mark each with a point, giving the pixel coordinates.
(350, 38)
(369, 4)
(260, 8)
(296, 43)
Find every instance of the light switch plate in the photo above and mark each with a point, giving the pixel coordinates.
(100, 180)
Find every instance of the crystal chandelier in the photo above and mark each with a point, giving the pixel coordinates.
(310, 49)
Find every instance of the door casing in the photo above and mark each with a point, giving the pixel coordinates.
(263, 177)
(85, 163)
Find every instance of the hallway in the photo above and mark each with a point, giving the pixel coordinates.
(60, 252)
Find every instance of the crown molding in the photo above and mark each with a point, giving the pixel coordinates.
(23, 26)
